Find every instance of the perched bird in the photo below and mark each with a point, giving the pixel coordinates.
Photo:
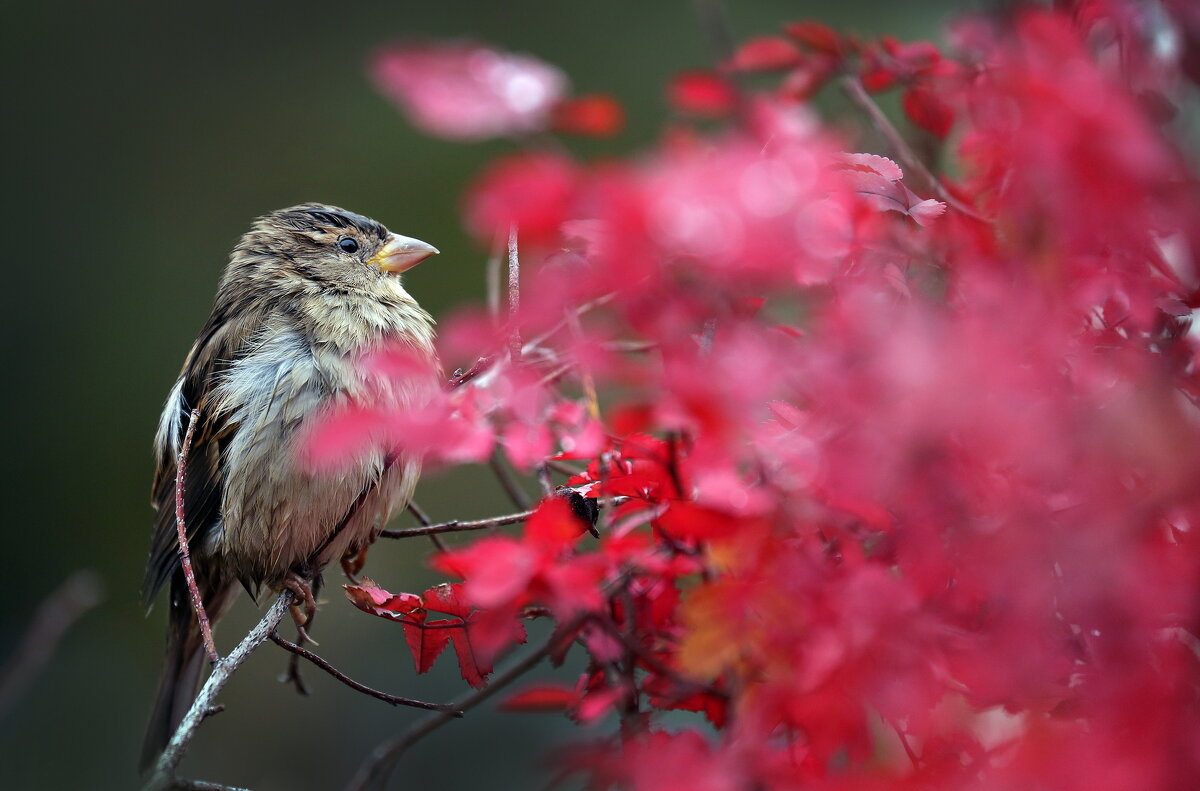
(307, 292)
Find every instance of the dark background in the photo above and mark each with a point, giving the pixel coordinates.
(142, 138)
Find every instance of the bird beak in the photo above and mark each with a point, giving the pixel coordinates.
(401, 253)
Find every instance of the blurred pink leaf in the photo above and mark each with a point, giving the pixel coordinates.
(465, 91)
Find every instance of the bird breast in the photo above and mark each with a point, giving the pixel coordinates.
(278, 514)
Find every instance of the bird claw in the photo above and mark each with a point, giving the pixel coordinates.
(352, 564)
(301, 588)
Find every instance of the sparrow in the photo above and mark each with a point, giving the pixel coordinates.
(307, 293)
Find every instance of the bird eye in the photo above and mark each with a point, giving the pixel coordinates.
(348, 245)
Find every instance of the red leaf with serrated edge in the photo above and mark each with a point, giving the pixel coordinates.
(873, 163)
(473, 670)
(447, 598)
(377, 601)
(425, 644)
(541, 698)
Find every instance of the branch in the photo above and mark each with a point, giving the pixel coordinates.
(80, 592)
(565, 321)
(455, 526)
(375, 769)
(185, 555)
(425, 521)
(168, 762)
(508, 481)
(514, 294)
(201, 785)
(394, 700)
(853, 88)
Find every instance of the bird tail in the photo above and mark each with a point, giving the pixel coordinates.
(183, 662)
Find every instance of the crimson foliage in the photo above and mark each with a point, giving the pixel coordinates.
(900, 494)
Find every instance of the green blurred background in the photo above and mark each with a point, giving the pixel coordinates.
(143, 137)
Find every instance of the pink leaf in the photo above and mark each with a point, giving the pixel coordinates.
(466, 91)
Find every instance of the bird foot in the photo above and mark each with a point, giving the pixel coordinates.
(352, 563)
(301, 588)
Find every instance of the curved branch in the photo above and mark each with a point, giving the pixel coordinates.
(394, 700)
(455, 525)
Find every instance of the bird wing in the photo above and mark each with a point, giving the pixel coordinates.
(224, 339)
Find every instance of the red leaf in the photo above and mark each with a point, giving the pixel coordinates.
(492, 631)
(815, 35)
(702, 93)
(688, 520)
(553, 526)
(497, 569)
(473, 670)
(541, 698)
(876, 76)
(596, 703)
(598, 115)
(377, 601)
(425, 644)
(447, 598)
(925, 106)
(534, 191)
(765, 53)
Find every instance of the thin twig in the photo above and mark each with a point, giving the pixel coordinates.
(201, 785)
(78, 593)
(374, 771)
(508, 481)
(565, 469)
(543, 476)
(425, 521)
(185, 555)
(586, 307)
(514, 294)
(903, 737)
(394, 700)
(461, 377)
(293, 675)
(455, 526)
(164, 771)
(857, 94)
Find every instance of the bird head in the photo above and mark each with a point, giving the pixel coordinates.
(326, 246)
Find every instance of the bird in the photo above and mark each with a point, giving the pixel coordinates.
(308, 291)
